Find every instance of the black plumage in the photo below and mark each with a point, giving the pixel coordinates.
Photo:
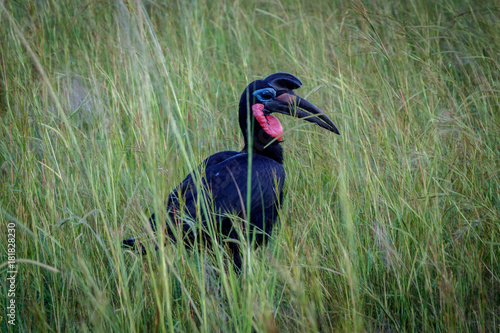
(223, 185)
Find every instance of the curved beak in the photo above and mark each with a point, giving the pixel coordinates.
(292, 104)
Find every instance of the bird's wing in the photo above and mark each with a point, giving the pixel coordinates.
(225, 185)
(185, 188)
(228, 183)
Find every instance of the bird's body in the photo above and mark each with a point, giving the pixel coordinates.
(224, 180)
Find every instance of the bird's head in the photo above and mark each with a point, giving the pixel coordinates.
(274, 94)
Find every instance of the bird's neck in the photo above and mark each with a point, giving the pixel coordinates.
(273, 150)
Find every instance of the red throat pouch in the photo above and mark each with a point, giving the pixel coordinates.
(269, 123)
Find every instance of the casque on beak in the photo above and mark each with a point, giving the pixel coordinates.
(292, 104)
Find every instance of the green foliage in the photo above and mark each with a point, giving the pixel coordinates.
(392, 226)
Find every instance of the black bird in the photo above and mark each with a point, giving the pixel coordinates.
(224, 176)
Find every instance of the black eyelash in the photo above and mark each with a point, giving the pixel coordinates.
(264, 94)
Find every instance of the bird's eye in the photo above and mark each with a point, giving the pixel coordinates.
(264, 94)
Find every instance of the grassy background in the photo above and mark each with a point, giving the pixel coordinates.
(392, 226)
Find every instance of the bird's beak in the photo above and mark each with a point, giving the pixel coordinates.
(292, 104)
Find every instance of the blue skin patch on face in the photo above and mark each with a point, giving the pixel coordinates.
(264, 94)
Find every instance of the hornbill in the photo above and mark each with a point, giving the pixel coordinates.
(224, 178)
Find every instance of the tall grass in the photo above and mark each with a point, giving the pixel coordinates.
(393, 226)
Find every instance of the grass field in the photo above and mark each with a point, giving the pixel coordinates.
(393, 226)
